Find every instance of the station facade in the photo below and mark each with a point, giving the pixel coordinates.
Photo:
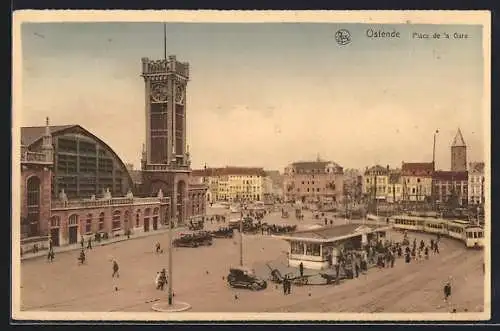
(73, 184)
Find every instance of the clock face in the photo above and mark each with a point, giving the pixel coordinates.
(179, 94)
(159, 92)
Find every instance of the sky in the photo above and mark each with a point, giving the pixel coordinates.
(266, 94)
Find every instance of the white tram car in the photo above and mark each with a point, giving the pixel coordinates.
(472, 235)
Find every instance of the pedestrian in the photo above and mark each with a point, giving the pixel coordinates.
(400, 251)
(436, 248)
(50, 244)
(157, 247)
(82, 241)
(115, 270)
(285, 289)
(356, 269)
(89, 243)
(447, 291)
(393, 259)
(301, 269)
(163, 278)
(81, 257)
(289, 286)
(50, 256)
(422, 244)
(407, 257)
(426, 252)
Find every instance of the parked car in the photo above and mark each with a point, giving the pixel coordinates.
(242, 277)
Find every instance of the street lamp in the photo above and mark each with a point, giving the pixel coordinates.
(170, 273)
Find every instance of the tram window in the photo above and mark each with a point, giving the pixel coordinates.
(475, 235)
(469, 235)
(479, 234)
(297, 247)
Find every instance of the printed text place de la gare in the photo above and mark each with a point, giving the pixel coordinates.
(381, 33)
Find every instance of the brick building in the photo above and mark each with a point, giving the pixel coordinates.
(83, 164)
(451, 188)
(417, 181)
(314, 181)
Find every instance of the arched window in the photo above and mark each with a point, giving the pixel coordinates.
(33, 204)
(156, 211)
(88, 224)
(138, 218)
(116, 224)
(55, 222)
(73, 220)
(101, 221)
(147, 212)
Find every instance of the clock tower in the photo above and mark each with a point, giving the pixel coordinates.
(166, 163)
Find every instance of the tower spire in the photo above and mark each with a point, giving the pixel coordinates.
(458, 141)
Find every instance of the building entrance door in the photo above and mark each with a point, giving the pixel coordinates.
(146, 224)
(73, 235)
(155, 223)
(54, 235)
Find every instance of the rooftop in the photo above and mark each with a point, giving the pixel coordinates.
(451, 175)
(238, 171)
(417, 168)
(330, 233)
(30, 134)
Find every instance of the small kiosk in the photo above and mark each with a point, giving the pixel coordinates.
(318, 249)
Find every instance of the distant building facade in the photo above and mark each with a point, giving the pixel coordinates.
(314, 181)
(417, 181)
(233, 184)
(476, 183)
(395, 187)
(451, 188)
(376, 182)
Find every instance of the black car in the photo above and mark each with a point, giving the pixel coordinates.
(245, 278)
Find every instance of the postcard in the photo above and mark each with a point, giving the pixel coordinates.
(251, 165)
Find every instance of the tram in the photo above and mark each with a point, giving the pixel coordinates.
(471, 235)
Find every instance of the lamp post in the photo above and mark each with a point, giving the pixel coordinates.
(241, 235)
(170, 266)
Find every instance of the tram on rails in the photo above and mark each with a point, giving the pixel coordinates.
(470, 234)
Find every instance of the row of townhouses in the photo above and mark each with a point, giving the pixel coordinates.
(421, 182)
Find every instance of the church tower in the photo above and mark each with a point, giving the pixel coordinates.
(165, 161)
(458, 153)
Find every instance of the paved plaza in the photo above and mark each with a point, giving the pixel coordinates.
(199, 279)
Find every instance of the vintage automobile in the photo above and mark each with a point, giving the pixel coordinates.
(224, 232)
(195, 239)
(242, 277)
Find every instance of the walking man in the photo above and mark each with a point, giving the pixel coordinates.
(301, 269)
(82, 242)
(447, 291)
(89, 243)
(115, 270)
(436, 248)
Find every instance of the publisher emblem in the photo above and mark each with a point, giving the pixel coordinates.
(343, 37)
